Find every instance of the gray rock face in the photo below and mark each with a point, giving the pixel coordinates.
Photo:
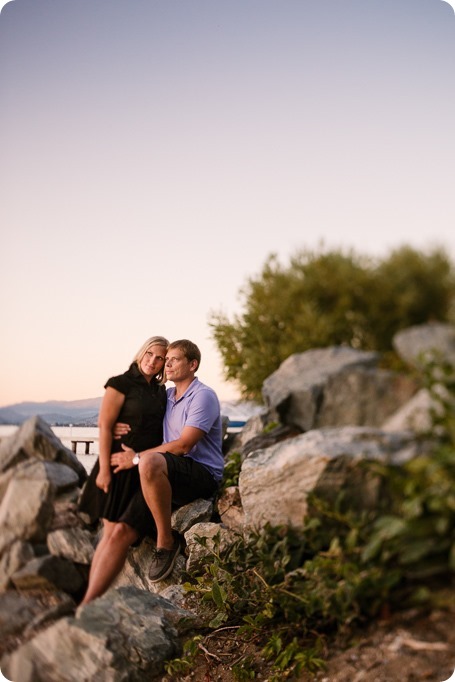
(18, 554)
(125, 635)
(35, 439)
(75, 544)
(49, 573)
(26, 510)
(275, 483)
(198, 554)
(417, 343)
(334, 387)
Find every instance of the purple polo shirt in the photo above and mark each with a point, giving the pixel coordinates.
(199, 407)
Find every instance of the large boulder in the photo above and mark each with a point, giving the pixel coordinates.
(415, 345)
(125, 635)
(335, 386)
(275, 483)
(35, 439)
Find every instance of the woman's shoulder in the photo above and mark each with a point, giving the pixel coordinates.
(122, 382)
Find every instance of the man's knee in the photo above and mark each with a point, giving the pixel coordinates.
(152, 465)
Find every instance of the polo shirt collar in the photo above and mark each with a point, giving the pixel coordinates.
(191, 388)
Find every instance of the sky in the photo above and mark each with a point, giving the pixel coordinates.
(155, 153)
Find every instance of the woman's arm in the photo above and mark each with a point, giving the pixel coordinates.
(109, 412)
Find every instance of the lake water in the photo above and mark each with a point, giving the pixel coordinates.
(69, 433)
(66, 434)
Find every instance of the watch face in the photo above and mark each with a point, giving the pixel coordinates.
(136, 459)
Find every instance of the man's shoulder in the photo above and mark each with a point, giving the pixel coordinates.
(199, 387)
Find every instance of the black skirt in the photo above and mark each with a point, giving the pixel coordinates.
(111, 505)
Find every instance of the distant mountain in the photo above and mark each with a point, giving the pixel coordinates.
(55, 412)
(85, 412)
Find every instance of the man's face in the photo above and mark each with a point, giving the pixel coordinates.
(178, 368)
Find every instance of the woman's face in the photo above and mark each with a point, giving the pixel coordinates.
(153, 361)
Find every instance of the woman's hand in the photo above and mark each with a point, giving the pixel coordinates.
(103, 480)
(122, 460)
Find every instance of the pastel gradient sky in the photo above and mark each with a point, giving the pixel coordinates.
(155, 152)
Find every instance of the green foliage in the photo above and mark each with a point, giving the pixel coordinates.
(291, 588)
(325, 299)
(183, 666)
(232, 466)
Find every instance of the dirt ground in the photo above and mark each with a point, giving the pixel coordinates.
(416, 645)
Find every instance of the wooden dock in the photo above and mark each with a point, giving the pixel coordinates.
(87, 441)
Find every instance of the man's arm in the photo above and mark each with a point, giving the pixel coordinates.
(189, 437)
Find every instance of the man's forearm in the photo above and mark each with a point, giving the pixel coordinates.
(175, 447)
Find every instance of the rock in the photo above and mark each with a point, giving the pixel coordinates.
(362, 396)
(414, 415)
(49, 573)
(135, 570)
(212, 534)
(125, 635)
(417, 344)
(254, 427)
(18, 554)
(230, 508)
(35, 439)
(195, 512)
(267, 438)
(275, 483)
(61, 477)
(75, 544)
(295, 389)
(16, 611)
(66, 512)
(26, 511)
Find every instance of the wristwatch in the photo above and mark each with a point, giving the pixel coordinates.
(136, 458)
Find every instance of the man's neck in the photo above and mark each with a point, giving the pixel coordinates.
(182, 386)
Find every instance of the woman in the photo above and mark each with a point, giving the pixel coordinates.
(137, 397)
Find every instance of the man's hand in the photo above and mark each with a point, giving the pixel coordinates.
(122, 460)
(120, 430)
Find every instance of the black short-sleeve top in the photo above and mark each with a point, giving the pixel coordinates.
(143, 409)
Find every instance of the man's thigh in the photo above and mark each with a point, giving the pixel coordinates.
(189, 480)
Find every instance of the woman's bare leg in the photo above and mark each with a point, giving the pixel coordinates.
(108, 527)
(109, 559)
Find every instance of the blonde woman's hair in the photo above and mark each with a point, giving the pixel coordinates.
(152, 341)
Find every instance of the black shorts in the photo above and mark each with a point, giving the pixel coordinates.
(189, 481)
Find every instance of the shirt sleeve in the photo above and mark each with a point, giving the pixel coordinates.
(120, 383)
(203, 411)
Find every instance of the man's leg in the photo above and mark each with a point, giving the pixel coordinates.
(109, 559)
(157, 492)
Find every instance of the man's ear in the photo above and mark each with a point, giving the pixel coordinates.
(194, 365)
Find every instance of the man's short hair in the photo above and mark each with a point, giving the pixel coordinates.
(189, 349)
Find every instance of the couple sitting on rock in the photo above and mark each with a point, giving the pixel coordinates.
(158, 449)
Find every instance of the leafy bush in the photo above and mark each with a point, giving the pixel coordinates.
(325, 299)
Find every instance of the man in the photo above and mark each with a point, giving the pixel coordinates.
(187, 466)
